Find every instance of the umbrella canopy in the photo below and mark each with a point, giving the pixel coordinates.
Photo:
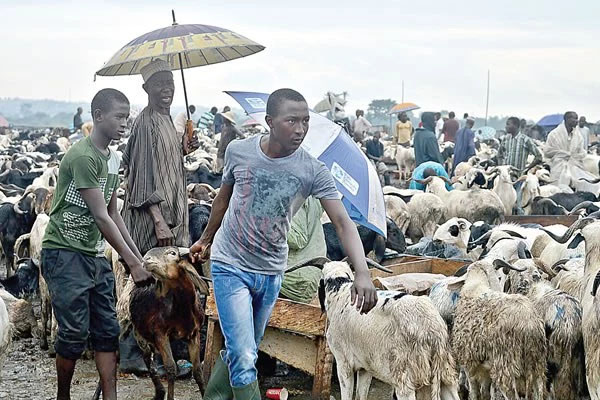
(403, 107)
(354, 175)
(3, 122)
(485, 132)
(551, 121)
(198, 45)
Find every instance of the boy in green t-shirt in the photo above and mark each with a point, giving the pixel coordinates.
(79, 277)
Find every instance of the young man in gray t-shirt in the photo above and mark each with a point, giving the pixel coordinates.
(266, 179)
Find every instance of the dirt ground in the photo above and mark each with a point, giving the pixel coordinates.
(29, 374)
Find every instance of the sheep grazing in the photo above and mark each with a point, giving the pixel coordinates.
(414, 356)
(5, 333)
(473, 205)
(590, 230)
(168, 310)
(498, 338)
(562, 318)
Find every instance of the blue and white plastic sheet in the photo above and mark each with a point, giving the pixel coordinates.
(354, 175)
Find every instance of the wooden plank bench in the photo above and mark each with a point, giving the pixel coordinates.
(295, 333)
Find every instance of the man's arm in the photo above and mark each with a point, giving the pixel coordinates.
(198, 251)
(114, 214)
(95, 202)
(363, 292)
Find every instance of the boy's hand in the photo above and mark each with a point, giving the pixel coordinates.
(141, 277)
(200, 251)
(363, 294)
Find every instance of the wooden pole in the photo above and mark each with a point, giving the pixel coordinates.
(487, 100)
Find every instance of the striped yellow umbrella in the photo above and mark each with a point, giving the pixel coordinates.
(182, 46)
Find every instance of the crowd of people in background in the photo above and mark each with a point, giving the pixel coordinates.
(563, 147)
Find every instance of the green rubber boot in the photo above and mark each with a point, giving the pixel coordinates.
(218, 387)
(248, 392)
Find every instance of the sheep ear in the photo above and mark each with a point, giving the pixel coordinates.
(191, 272)
(456, 284)
(596, 284)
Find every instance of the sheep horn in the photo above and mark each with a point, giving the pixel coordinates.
(318, 262)
(590, 180)
(579, 224)
(514, 234)
(479, 241)
(498, 263)
(423, 182)
(583, 204)
(372, 264)
(448, 181)
(596, 284)
(17, 209)
(544, 268)
(558, 264)
(208, 187)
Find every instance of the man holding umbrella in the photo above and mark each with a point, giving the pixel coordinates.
(155, 210)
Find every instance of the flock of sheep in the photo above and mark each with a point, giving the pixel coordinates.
(520, 320)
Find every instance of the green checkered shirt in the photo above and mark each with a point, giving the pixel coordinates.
(515, 150)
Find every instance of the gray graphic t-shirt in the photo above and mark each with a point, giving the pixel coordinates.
(267, 192)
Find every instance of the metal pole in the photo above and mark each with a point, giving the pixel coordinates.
(403, 90)
(487, 101)
(187, 108)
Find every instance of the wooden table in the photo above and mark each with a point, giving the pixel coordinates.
(295, 333)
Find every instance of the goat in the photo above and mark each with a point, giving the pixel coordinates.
(498, 338)
(405, 159)
(167, 310)
(503, 187)
(415, 356)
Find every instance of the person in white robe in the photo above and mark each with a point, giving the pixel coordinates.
(564, 152)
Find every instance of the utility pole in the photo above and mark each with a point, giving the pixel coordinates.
(487, 100)
(403, 90)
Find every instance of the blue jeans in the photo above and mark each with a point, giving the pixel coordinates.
(245, 301)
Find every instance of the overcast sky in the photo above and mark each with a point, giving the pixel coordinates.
(543, 56)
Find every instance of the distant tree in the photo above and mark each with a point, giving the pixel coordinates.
(378, 111)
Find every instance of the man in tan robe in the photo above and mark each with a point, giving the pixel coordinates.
(155, 209)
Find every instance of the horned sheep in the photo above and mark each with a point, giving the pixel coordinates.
(498, 338)
(405, 321)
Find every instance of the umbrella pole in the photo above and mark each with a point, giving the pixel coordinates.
(187, 108)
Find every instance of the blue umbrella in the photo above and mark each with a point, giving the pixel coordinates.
(551, 121)
(354, 175)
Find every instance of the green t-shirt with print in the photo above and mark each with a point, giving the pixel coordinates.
(72, 224)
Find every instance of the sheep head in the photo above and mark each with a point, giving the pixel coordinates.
(482, 275)
(166, 264)
(455, 231)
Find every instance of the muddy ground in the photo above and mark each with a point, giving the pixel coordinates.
(29, 374)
